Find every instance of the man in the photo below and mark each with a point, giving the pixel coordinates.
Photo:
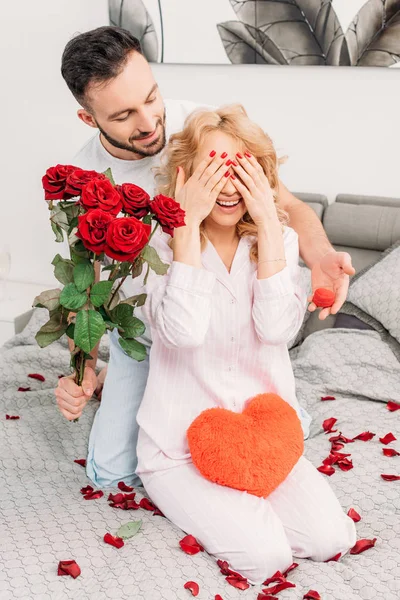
(113, 82)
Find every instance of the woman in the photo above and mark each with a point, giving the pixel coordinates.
(221, 319)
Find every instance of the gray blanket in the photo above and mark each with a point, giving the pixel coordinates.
(44, 518)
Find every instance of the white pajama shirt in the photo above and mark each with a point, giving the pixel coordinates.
(219, 339)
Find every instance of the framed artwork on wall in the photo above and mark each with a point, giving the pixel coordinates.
(275, 32)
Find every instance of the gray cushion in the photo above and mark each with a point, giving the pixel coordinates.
(362, 226)
(374, 295)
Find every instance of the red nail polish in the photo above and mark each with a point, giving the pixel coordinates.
(227, 174)
(224, 155)
(228, 162)
(239, 155)
(233, 177)
(212, 153)
(247, 154)
(234, 163)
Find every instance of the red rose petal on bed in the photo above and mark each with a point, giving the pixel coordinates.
(324, 398)
(391, 477)
(328, 424)
(158, 512)
(116, 498)
(390, 452)
(224, 567)
(93, 495)
(36, 376)
(68, 567)
(124, 488)
(365, 436)
(87, 489)
(345, 464)
(193, 587)
(392, 406)
(312, 595)
(218, 597)
(353, 514)
(262, 596)
(146, 504)
(12, 417)
(113, 540)
(277, 577)
(24, 389)
(386, 439)
(190, 545)
(340, 438)
(336, 447)
(131, 504)
(326, 469)
(291, 568)
(362, 545)
(238, 582)
(334, 558)
(81, 461)
(275, 589)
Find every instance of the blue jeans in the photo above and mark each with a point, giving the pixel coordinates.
(114, 435)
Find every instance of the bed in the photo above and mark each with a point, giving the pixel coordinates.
(44, 518)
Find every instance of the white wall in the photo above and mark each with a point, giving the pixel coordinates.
(340, 127)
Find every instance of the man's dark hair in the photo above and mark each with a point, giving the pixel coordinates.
(96, 56)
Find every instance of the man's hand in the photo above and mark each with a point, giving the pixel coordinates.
(331, 272)
(72, 398)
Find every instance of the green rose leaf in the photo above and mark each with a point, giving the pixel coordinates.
(51, 331)
(44, 339)
(137, 267)
(78, 251)
(128, 530)
(109, 175)
(133, 328)
(71, 298)
(83, 276)
(63, 269)
(74, 223)
(134, 349)
(122, 312)
(138, 300)
(57, 322)
(71, 209)
(49, 299)
(71, 331)
(58, 232)
(147, 220)
(89, 327)
(100, 292)
(59, 217)
(150, 255)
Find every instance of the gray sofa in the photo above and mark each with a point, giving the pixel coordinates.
(363, 226)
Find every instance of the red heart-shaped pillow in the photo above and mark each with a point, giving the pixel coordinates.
(254, 450)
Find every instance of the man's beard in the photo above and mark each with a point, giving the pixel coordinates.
(153, 148)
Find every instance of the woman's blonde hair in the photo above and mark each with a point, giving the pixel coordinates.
(182, 148)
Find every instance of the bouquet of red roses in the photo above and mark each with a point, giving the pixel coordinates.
(111, 224)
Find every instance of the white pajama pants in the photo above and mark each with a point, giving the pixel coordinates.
(257, 536)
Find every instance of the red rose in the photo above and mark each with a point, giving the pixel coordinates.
(168, 213)
(134, 200)
(77, 179)
(92, 229)
(126, 238)
(100, 193)
(54, 182)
